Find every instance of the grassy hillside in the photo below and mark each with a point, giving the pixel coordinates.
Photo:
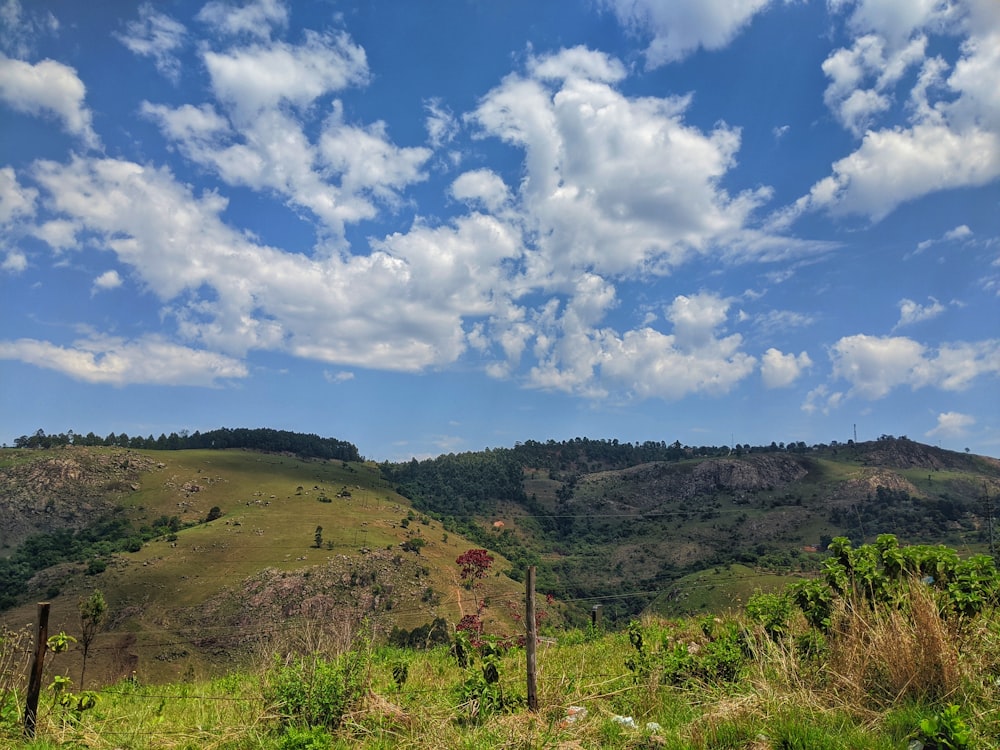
(638, 529)
(601, 518)
(193, 587)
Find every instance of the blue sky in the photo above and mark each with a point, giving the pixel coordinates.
(436, 227)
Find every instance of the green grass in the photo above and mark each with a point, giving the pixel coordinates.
(765, 709)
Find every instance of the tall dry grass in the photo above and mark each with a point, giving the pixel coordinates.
(887, 654)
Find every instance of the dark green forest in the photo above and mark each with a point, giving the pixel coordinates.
(260, 439)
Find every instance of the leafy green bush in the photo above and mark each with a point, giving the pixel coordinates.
(771, 611)
(671, 657)
(311, 691)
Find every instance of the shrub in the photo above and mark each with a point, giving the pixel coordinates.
(312, 691)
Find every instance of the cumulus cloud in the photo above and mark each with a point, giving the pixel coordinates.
(107, 280)
(602, 201)
(822, 399)
(951, 424)
(641, 363)
(255, 135)
(114, 361)
(48, 88)
(401, 307)
(952, 136)
(897, 20)
(911, 312)
(14, 262)
(260, 76)
(481, 187)
(680, 27)
(16, 201)
(256, 18)
(868, 63)
(875, 365)
(779, 370)
(157, 36)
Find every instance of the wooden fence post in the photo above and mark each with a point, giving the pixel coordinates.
(532, 639)
(595, 616)
(37, 665)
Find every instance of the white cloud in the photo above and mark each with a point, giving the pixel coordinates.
(481, 187)
(158, 36)
(951, 424)
(779, 370)
(602, 200)
(958, 233)
(440, 123)
(107, 280)
(259, 77)
(822, 399)
(256, 140)
(642, 363)
(867, 62)
(337, 377)
(256, 18)
(952, 137)
(680, 27)
(59, 234)
(48, 88)
(114, 361)
(911, 312)
(14, 262)
(775, 321)
(19, 30)
(16, 201)
(895, 166)
(874, 365)
(401, 307)
(899, 19)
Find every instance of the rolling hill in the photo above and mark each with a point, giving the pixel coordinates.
(210, 555)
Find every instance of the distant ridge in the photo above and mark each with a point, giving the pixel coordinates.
(304, 445)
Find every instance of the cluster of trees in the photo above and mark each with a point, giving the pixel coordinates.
(911, 517)
(92, 545)
(584, 454)
(261, 439)
(460, 484)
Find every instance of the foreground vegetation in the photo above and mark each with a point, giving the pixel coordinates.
(889, 647)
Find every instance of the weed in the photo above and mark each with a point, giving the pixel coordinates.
(943, 731)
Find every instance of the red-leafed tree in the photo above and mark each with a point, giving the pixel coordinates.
(475, 564)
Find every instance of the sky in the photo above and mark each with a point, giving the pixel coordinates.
(449, 225)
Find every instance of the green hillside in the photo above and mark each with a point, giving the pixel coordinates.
(209, 555)
(236, 580)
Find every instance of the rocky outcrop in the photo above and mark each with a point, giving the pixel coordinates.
(64, 488)
(669, 481)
